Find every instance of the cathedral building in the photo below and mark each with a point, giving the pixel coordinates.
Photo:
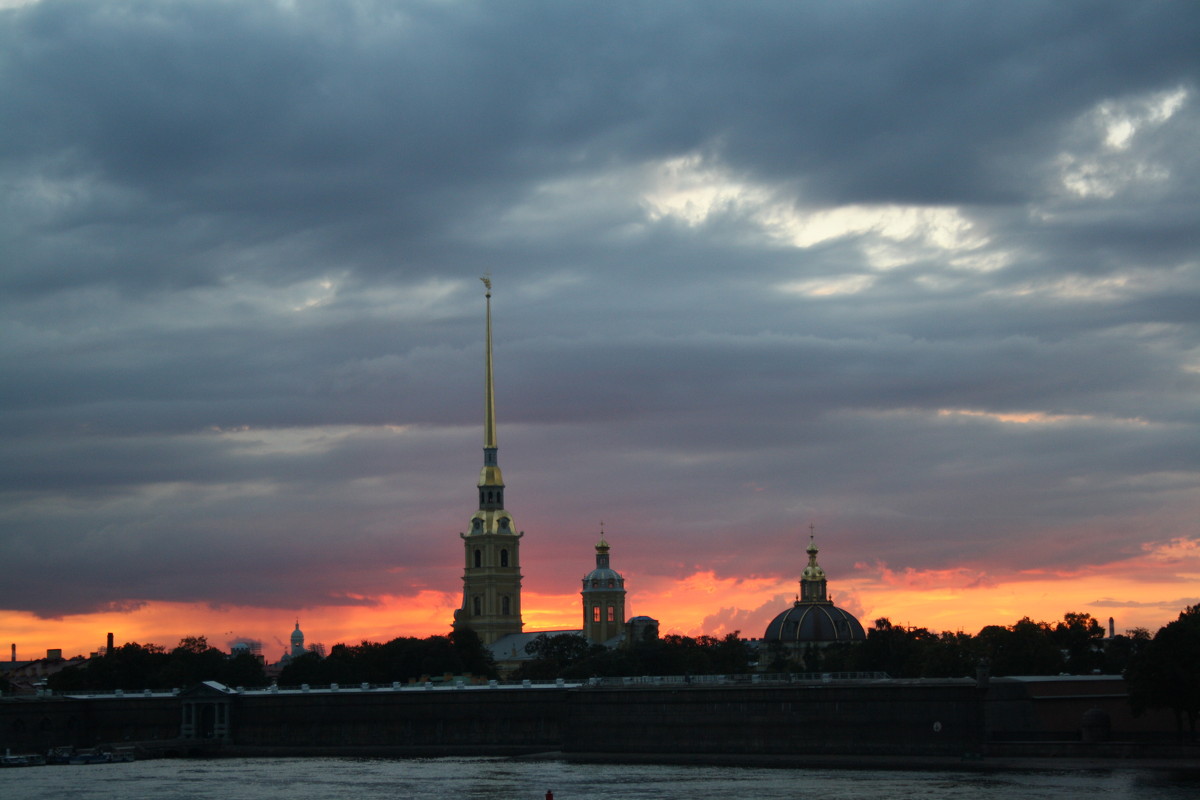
(813, 619)
(297, 640)
(491, 604)
(603, 599)
(491, 601)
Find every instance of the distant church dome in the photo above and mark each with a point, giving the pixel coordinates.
(603, 576)
(813, 618)
(603, 599)
(297, 642)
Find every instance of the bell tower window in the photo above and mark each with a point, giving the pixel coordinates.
(478, 557)
(504, 558)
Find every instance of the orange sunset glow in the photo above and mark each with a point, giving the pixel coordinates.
(1145, 592)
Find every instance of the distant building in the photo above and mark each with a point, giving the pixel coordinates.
(491, 604)
(26, 677)
(813, 619)
(297, 642)
(603, 600)
(603, 607)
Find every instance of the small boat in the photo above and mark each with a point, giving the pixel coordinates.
(98, 757)
(20, 760)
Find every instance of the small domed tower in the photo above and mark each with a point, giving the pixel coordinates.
(297, 641)
(603, 599)
(813, 619)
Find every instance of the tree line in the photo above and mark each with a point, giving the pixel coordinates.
(1075, 645)
(403, 659)
(1163, 670)
(134, 667)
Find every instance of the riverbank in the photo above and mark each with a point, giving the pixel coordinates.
(1183, 759)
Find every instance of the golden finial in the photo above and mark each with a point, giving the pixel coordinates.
(487, 281)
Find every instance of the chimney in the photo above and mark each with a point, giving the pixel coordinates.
(1111, 628)
(14, 655)
(110, 646)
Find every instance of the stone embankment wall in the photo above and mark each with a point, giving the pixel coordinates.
(840, 717)
(944, 718)
(475, 717)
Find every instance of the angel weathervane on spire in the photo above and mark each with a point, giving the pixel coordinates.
(487, 281)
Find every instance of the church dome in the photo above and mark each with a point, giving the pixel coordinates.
(297, 635)
(603, 576)
(815, 622)
(813, 618)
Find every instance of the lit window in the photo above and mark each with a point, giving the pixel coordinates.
(595, 613)
(612, 614)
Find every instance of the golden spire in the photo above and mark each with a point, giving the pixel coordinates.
(489, 397)
(490, 474)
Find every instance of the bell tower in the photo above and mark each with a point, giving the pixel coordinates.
(603, 598)
(491, 603)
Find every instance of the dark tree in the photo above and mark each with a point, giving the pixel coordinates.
(1024, 648)
(131, 667)
(900, 652)
(1121, 650)
(308, 668)
(1166, 673)
(403, 659)
(553, 656)
(1080, 637)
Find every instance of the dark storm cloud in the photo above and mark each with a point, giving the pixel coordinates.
(224, 221)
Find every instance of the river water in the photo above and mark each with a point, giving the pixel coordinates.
(506, 779)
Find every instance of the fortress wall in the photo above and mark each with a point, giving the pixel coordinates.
(895, 718)
(34, 725)
(883, 717)
(500, 717)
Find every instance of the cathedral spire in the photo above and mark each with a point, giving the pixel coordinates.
(489, 397)
(491, 481)
(492, 575)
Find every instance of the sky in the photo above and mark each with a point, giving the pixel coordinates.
(922, 276)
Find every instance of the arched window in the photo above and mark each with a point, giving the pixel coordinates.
(478, 557)
(612, 614)
(505, 605)
(595, 613)
(504, 558)
(611, 583)
(478, 606)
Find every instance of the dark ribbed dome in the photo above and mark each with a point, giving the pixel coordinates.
(814, 622)
(813, 617)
